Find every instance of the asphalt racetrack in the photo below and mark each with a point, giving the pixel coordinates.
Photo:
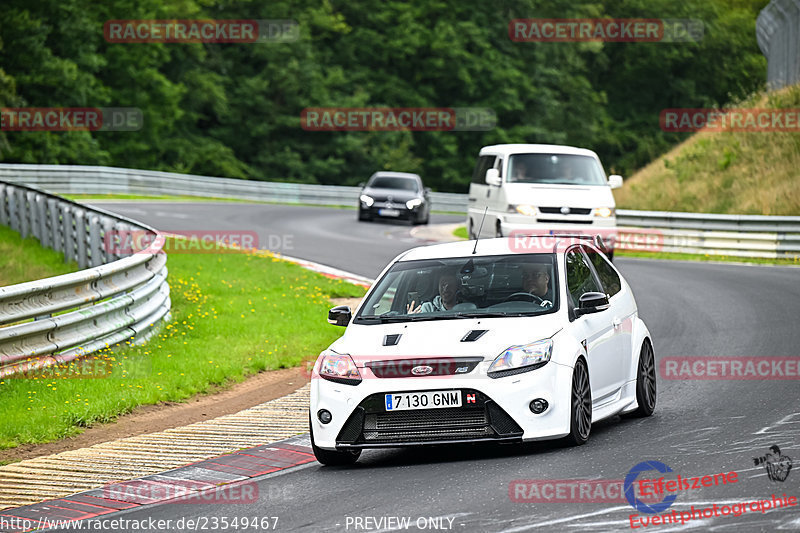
(701, 427)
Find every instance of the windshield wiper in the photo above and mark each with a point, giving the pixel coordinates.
(398, 318)
(490, 314)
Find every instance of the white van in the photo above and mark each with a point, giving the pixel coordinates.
(540, 188)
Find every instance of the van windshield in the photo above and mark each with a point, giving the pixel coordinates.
(556, 169)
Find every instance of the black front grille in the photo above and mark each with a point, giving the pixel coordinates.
(371, 425)
(572, 210)
(563, 220)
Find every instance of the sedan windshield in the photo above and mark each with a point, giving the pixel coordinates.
(393, 182)
(556, 169)
(464, 287)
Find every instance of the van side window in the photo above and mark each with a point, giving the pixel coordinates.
(485, 162)
(499, 166)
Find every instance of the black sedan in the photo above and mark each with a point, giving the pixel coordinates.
(397, 195)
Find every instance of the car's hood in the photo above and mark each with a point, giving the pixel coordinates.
(559, 195)
(442, 338)
(398, 195)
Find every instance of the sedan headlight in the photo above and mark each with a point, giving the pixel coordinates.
(604, 212)
(339, 368)
(523, 209)
(414, 202)
(367, 200)
(519, 359)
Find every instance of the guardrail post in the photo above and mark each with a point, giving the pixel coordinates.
(80, 237)
(56, 237)
(69, 234)
(14, 220)
(97, 257)
(4, 189)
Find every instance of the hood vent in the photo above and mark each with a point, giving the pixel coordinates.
(473, 335)
(392, 340)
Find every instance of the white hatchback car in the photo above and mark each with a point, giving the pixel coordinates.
(519, 339)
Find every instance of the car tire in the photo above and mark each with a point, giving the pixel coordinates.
(364, 217)
(332, 457)
(580, 413)
(646, 389)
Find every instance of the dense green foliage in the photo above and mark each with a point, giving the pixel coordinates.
(234, 109)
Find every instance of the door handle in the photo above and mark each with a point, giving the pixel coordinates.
(616, 322)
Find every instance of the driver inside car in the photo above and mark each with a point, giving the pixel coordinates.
(446, 300)
(536, 281)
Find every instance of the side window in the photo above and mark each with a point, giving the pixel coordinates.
(485, 162)
(608, 276)
(499, 166)
(579, 276)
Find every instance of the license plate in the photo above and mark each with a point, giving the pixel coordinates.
(406, 401)
(389, 212)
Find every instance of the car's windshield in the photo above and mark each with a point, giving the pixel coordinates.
(464, 287)
(556, 169)
(393, 182)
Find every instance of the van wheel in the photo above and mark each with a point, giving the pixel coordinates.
(471, 231)
(498, 231)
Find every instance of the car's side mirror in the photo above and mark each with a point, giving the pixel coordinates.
(340, 315)
(362, 183)
(427, 190)
(615, 181)
(591, 302)
(493, 177)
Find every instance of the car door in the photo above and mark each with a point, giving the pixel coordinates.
(496, 199)
(594, 331)
(478, 192)
(622, 307)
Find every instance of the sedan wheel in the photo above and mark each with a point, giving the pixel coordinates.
(580, 420)
(646, 382)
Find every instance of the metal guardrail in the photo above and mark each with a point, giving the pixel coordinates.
(778, 35)
(695, 233)
(76, 314)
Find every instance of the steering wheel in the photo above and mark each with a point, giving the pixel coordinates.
(524, 296)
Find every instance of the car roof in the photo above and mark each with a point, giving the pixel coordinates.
(390, 174)
(509, 149)
(522, 244)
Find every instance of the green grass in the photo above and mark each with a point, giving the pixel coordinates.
(25, 260)
(726, 171)
(233, 315)
(461, 232)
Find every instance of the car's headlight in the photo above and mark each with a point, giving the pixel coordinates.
(414, 202)
(367, 200)
(518, 359)
(523, 209)
(339, 368)
(604, 212)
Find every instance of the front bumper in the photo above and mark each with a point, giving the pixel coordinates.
(404, 213)
(511, 225)
(500, 411)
